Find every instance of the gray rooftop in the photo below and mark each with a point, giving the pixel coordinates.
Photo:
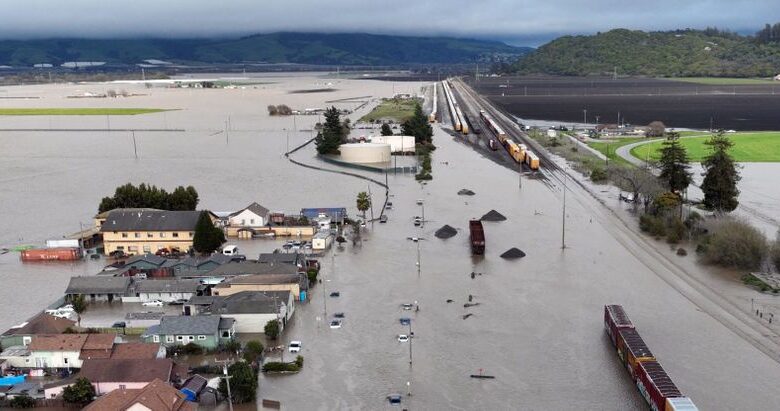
(151, 221)
(167, 286)
(280, 258)
(151, 315)
(98, 285)
(254, 302)
(196, 262)
(149, 258)
(255, 208)
(186, 324)
(252, 267)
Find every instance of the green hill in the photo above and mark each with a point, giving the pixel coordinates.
(684, 53)
(301, 48)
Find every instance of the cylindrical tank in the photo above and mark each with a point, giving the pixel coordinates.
(364, 153)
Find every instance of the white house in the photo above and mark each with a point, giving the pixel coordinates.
(253, 215)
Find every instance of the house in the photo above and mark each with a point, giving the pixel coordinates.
(149, 231)
(154, 396)
(200, 264)
(207, 331)
(108, 374)
(261, 282)
(322, 240)
(251, 216)
(66, 351)
(251, 310)
(237, 268)
(42, 323)
(166, 290)
(296, 259)
(138, 351)
(98, 288)
(97, 346)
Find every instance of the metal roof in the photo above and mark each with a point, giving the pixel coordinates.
(167, 286)
(252, 267)
(151, 220)
(98, 285)
(253, 302)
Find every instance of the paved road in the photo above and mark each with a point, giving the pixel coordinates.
(625, 152)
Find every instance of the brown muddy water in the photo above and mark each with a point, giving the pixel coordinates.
(538, 328)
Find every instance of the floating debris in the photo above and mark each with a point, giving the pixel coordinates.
(449, 301)
(467, 305)
(493, 215)
(466, 192)
(473, 274)
(445, 232)
(467, 315)
(513, 253)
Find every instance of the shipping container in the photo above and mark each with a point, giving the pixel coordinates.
(62, 243)
(52, 254)
(477, 237)
(615, 318)
(632, 350)
(680, 404)
(655, 385)
(532, 160)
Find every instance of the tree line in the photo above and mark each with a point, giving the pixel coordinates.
(150, 196)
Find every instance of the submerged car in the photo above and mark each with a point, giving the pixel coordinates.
(335, 324)
(295, 346)
(153, 303)
(403, 338)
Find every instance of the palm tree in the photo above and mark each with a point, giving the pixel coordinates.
(363, 202)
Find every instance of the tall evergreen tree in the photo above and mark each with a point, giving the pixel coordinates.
(418, 126)
(386, 130)
(720, 175)
(207, 238)
(333, 133)
(675, 164)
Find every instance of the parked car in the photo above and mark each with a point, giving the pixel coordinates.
(153, 303)
(403, 338)
(407, 306)
(389, 206)
(180, 301)
(119, 324)
(338, 315)
(230, 250)
(335, 294)
(295, 346)
(405, 321)
(335, 324)
(394, 399)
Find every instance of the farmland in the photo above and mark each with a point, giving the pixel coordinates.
(77, 111)
(398, 110)
(678, 104)
(748, 147)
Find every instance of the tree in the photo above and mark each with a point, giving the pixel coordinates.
(272, 329)
(253, 350)
(243, 383)
(150, 196)
(207, 238)
(655, 129)
(22, 401)
(333, 133)
(637, 181)
(418, 126)
(272, 110)
(674, 164)
(81, 392)
(386, 130)
(363, 202)
(79, 306)
(720, 175)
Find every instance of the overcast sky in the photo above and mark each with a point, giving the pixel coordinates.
(519, 22)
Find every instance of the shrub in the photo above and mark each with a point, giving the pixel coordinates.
(776, 252)
(81, 392)
(272, 329)
(652, 225)
(299, 361)
(233, 346)
(675, 232)
(312, 275)
(681, 252)
(192, 349)
(598, 174)
(22, 401)
(207, 369)
(734, 243)
(253, 351)
(276, 366)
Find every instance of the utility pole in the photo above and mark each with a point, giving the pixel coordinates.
(135, 147)
(227, 381)
(227, 134)
(563, 216)
(585, 117)
(419, 263)
(411, 338)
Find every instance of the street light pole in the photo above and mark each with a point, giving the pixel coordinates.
(419, 263)
(563, 216)
(411, 337)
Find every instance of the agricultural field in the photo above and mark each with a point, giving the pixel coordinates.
(679, 104)
(398, 110)
(748, 147)
(77, 111)
(725, 81)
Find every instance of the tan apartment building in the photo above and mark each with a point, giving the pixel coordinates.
(147, 231)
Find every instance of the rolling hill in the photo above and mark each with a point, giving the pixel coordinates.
(682, 53)
(300, 48)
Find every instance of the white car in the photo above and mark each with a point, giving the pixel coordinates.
(153, 303)
(295, 346)
(335, 324)
(403, 338)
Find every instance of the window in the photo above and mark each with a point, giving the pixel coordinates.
(132, 248)
(156, 338)
(137, 235)
(201, 337)
(243, 222)
(176, 235)
(124, 235)
(65, 360)
(162, 235)
(190, 338)
(252, 221)
(179, 338)
(192, 234)
(169, 338)
(120, 248)
(149, 235)
(122, 386)
(147, 249)
(225, 334)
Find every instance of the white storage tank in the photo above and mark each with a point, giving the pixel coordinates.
(398, 144)
(365, 153)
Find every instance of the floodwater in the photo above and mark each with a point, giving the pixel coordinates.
(538, 328)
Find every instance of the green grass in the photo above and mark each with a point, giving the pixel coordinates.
(748, 147)
(725, 81)
(608, 148)
(77, 111)
(397, 109)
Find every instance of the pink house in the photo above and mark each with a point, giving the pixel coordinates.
(110, 374)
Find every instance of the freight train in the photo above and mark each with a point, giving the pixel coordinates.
(655, 385)
(477, 237)
(457, 122)
(519, 152)
(432, 116)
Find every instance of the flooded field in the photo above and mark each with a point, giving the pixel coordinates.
(538, 326)
(636, 101)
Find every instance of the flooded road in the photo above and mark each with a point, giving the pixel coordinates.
(538, 328)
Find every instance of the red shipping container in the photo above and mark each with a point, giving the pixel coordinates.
(52, 254)
(615, 319)
(655, 385)
(632, 350)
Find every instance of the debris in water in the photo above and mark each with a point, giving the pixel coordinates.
(445, 232)
(513, 253)
(467, 305)
(467, 315)
(471, 297)
(493, 215)
(465, 192)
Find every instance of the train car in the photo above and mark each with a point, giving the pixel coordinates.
(493, 144)
(477, 237)
(632, 350)
(432, 116)
(680, 404)
(514, 151)
(615, 319)
(532, 160)
(655, 385)
(464, 127)
(524, 150)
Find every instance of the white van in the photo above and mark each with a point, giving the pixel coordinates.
(230, 250)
